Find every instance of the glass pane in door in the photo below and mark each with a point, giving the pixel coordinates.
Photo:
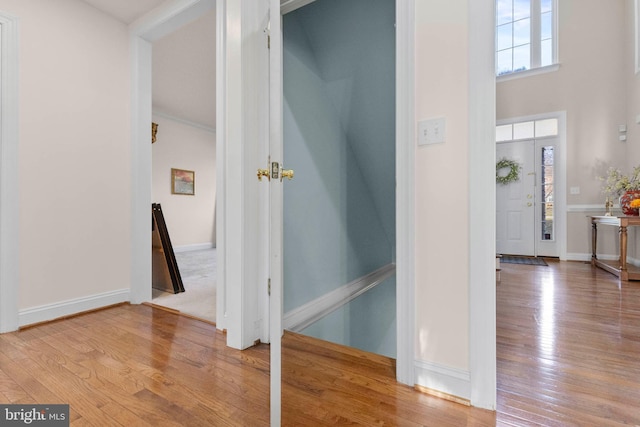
(547, 194)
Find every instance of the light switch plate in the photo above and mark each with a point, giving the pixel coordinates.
(432, 131)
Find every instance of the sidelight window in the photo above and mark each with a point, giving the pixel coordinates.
(546, 183)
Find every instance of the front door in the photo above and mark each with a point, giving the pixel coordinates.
(516, 201)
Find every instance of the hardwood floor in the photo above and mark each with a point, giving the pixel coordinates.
(568, 340)
(568, 345)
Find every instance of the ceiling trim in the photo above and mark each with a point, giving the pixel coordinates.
(171, 117)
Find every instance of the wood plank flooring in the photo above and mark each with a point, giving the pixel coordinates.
(568, 353)
(568, 347)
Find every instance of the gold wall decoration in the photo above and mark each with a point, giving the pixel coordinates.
(154, 131)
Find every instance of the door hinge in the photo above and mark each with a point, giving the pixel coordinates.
(267, 31)
(269, 287)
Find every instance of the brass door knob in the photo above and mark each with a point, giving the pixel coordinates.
(263, 172)
(286, 173)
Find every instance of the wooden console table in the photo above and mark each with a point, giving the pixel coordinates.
(619, 268)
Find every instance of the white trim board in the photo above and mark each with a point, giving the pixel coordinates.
(576, 256)
(452, 381)
(405, 191)
(9, 187)
(54, 311)
(482, 196)
(307, 314)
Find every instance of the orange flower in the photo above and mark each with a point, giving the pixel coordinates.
(635, 203)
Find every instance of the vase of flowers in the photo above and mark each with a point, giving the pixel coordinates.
(629, 202)
(626, 187)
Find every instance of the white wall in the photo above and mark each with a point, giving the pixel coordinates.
(190, 219)
(442, 232)
(590, 86)
(74, 153)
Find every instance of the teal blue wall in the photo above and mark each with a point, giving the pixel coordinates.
(339, 137)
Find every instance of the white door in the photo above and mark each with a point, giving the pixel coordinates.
(516, 201)
(275, 209)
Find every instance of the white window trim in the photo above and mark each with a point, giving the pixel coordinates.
(527, 73)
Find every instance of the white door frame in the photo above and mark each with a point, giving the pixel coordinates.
(236, 283)
(152, 26)
(482, 197)
(405, 160)
(9, 186)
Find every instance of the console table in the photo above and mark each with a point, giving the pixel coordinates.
(619, 267)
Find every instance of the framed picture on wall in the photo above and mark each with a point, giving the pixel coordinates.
(183, 182)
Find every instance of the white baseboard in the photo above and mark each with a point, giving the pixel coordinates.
(196, 247)
(580, 257)
(604, 257)
(49, 312)
(444, 379)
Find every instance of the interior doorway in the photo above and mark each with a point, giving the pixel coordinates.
(184, 111)
(339, 210)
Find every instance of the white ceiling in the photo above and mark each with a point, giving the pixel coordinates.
(184, 66)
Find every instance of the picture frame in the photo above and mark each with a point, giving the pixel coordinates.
(183, 182)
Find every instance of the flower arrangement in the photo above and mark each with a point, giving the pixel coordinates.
(617, 183)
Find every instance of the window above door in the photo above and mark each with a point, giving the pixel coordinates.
(526, 37)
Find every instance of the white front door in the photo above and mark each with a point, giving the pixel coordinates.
(516, 201)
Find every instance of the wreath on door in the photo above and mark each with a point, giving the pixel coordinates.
(512, 176)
